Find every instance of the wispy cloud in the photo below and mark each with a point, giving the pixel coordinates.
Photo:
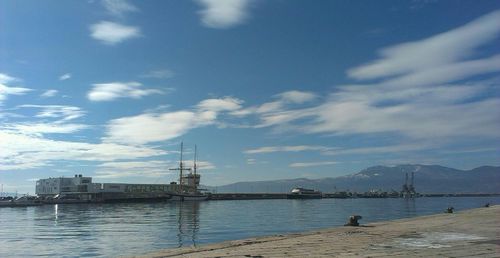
(65, 76)
(150, 168)
(118, 8)
(21, 151)
(158, 74)
(5, 78)
(60, 112)
(282, 102)
(381, 149)
(298, 97)
(111, 33)
(113, 90)
(54, 119)
(296, 148)
(220, 14)
(49, 93)
(436, 51)
(6, 90)
(35, 128)
(426, 90)
(222, 104)
(312, 164)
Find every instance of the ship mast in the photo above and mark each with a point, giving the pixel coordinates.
(181, 167)
(194, 166)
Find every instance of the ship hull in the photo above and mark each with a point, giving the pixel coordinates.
(188, 197)
(303, 196)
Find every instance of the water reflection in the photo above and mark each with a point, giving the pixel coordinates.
(409, 206)
(104, 230)
(56, 213)
(188, 223)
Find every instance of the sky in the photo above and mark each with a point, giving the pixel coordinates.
(266, 89)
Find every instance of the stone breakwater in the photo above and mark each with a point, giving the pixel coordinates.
(469, 233)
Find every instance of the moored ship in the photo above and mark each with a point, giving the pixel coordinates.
(303, 193)
(188, 189)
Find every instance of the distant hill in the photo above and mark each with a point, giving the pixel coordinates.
(428, 179)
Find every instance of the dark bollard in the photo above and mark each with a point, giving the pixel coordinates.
(487, 205)
(353, 221)
(450, 210)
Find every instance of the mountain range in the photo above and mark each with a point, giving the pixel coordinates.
(427, 179)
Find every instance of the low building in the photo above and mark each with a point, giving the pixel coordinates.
(82, 188)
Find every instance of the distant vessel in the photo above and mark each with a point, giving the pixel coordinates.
(188, 184)
(22, 201)
(303, 193)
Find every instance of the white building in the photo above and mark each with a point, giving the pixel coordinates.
(82, 188)
(60, 185)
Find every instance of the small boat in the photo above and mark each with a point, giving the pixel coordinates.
(303, 193)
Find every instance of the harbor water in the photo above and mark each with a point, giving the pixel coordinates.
(124, 229)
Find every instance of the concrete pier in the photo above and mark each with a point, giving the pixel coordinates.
(469, 233)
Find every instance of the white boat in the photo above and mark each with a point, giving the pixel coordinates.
(303, 193)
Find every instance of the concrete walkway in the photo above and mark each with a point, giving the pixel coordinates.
(470, 233)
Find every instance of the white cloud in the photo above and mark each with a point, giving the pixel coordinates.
(255, 162)
(118, 8)
(296, 96)
(297, 148)
(158, 74)
(49, 93)
(64, 113)
(282, 102)
(65, 76)
(150, 168)
(5, 78)
(162, 126)
(152, 127)
(7, 90)
(429, 91)
(111, 33)
(43, 128)
(21, 151)
(220, 14)
(224, 104)
(114, 90)
(381, 149)
(436, 51)
(312, 164)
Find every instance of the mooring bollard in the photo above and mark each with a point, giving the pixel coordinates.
(353, 221)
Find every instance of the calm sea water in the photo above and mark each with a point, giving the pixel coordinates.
(108, 230)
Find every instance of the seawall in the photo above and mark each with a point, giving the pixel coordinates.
(469, 233)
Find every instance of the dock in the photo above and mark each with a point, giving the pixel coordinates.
(469, 233)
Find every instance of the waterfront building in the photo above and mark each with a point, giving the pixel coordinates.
(82, 188)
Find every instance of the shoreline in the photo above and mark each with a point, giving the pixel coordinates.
(464, 233)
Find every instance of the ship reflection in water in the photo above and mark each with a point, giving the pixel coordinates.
(188, 223)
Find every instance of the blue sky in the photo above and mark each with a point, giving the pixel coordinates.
(266, 89)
